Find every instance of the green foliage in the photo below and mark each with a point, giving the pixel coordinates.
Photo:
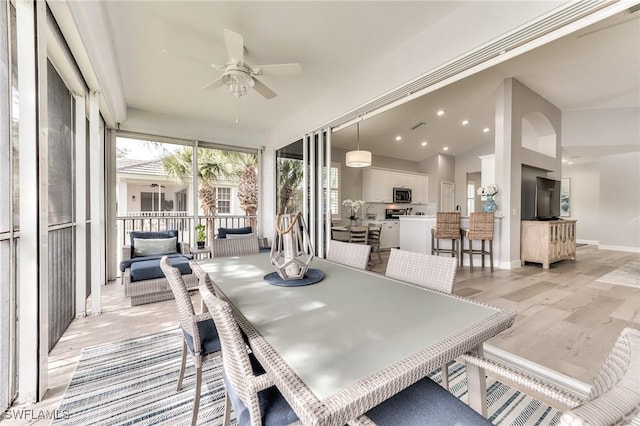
(201, 234)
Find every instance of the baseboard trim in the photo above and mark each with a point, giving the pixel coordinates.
(590, 242)
(560, 380)
(619, 248)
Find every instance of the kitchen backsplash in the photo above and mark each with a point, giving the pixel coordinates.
(376, 210)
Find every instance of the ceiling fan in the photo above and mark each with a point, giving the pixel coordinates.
(240, 77)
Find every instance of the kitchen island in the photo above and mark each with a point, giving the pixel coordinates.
(415, 235)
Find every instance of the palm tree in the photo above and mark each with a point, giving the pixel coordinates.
(290, 174)
(245, 167)
(211, 167)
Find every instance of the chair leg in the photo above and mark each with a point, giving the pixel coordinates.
(483, 252)
(379, 257)
(432, 244)
(471, 255)
(227, 409)
(183, 361)
(196, 399)
(445, 376)
(491, 254)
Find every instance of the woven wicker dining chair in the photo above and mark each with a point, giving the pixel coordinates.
(447, 228)
(227, 247)
(480, 228)
(423, 270)
(614, 398)
(349, 254)
(200, 337)
(255, 399)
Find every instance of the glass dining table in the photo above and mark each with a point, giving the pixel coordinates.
(339, 347)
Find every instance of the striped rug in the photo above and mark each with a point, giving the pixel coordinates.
(134, 382)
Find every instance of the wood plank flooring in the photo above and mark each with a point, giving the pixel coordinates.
(567, 321)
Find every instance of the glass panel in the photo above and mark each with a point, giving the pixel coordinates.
(15, 143)
(60, 156)
(289, 174)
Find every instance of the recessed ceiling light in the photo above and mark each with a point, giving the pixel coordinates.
(398, 138)
(570, 162)
(440, 113)
(564, 160)
(424, 143)
(486, 130)
(465, 122)
(446, 148)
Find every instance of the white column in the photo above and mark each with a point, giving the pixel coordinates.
(95, 178)
(33, 327)
(81, 204)
(487, 169)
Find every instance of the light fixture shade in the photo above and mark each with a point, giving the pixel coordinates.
(358, 158)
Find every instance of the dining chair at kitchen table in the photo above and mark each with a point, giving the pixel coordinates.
(256, 401)
(358, 234)
(373, 238)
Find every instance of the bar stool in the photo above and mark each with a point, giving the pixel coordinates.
(480, 228)
(447, 228)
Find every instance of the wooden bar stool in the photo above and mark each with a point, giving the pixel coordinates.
(447, 228)
(480, 228)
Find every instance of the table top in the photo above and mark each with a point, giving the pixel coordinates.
(343, 345)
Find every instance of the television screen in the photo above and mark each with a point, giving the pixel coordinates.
(547, 198)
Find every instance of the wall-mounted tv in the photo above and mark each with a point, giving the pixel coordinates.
(547, 198)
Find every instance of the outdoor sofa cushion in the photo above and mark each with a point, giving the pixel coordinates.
(223, 232)
(127, 263)
(150, 269)
(154, 246)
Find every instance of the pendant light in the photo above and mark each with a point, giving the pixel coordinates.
(358, 158)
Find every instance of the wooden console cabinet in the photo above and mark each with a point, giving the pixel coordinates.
(547, 241)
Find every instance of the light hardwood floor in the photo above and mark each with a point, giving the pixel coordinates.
(567, 321)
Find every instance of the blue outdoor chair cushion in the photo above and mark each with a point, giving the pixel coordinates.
(273, 407)
(425, 403)
(149, 269)
(209, 339)
(222, 232)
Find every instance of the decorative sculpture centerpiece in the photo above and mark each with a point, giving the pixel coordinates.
(291, 251)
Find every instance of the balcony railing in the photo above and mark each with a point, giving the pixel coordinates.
(184, 224)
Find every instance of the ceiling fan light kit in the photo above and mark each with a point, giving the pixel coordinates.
(358, 158)
(238, 82)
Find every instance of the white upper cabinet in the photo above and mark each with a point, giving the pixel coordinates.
(378, 184)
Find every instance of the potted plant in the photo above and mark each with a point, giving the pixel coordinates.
(201, 235)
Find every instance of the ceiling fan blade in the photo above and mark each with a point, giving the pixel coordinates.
(278, 69)
(235, 46)
(259, 87)
(213, 85)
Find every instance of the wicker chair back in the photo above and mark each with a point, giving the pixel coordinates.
(227, 247)
(423, 270)
(354, 255)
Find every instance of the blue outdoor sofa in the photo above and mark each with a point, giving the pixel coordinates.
(143, 280)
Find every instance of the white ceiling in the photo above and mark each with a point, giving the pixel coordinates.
(164, 51)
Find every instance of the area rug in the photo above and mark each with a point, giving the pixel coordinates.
(134, 382)
(627, 275)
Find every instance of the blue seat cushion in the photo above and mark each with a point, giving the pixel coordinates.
(425, 403)
(209, 339)
(274, 409)
(223, 232)
(149, 269)
(154, 235)
(127, 263)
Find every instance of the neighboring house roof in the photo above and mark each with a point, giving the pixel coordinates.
(141, 167)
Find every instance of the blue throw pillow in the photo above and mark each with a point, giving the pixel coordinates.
(222, 232)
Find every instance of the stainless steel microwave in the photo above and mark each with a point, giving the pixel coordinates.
(401, 195)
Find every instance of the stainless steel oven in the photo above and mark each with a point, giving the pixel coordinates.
(401, 195)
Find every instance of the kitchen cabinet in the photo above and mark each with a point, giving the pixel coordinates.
(378, 184)
(390, 235)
